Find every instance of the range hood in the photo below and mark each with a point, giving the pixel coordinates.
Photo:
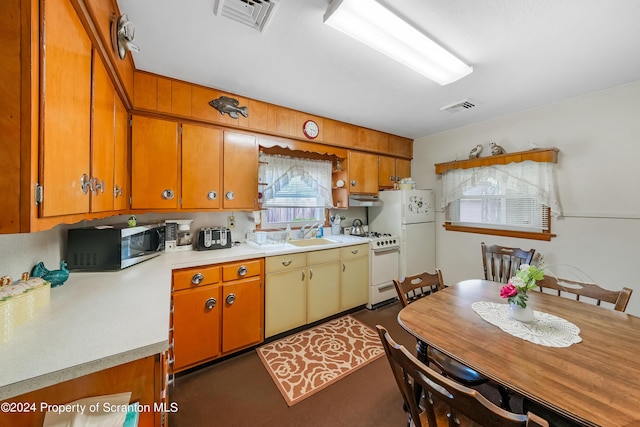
(364, 200)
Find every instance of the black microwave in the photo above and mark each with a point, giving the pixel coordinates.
(109, 248)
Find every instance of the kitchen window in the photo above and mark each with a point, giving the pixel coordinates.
(517, 199)
(296, 190)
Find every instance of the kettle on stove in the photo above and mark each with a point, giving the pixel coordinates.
(356, 227)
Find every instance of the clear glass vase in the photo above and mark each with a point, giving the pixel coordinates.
(521, 314)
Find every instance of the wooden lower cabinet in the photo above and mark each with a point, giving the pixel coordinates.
(217, 309)
(144, 378)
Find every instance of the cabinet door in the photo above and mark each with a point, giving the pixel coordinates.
(354, 282)
(242, 314)
(196, 326)
(386, 171)
(240, 171)
(323, 291)
(102, 138)
(285, 301)
(201, 172)
(66, 109)
(121, 165)
(403, 169)
(154, 164)
(363, 173)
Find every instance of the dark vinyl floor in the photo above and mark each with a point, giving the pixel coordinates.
(240, 392)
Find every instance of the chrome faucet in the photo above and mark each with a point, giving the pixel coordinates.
(304, 230)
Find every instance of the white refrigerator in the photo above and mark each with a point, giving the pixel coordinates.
(409, 214)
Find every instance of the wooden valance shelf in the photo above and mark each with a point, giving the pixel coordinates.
(537, 155)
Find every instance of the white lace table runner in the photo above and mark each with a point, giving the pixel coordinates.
(546, 329)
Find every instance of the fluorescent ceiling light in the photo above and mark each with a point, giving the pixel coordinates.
(374, 25)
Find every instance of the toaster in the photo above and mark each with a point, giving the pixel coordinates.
(213, 238)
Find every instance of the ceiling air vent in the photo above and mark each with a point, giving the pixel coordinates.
(254, 13)
(465, 104)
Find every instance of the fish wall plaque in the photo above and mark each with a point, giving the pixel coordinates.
(224, 104)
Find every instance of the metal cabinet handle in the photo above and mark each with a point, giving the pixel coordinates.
(287, 263)
(392, 178)
(168, 194)
(355, 251)
(230, 195)
(353, 182)
(231, 298)
(171, 361)
(97, 186)
(117, 191)
(212, 195)
(303, 275)
(344, 266)
(242, 271)
(197, 278)
(210, 303)
(310, 274)
(85, 183)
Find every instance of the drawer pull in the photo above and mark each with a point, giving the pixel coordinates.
(231, 298)
(230, 195)
(242, 271)
(344, 266)
(210, 303)
(197, 278)
(355, 251)
(287, 263)
(212, 195)
(303, 275)
(310, 274)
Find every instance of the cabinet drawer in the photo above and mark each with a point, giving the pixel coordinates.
(198, 276)
(286, 262)
(324, 256)
(356, 251)
(241, 270)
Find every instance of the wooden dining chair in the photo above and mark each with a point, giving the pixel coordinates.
(501, 263)
(441, 392)
(619, 299)
(414, 287)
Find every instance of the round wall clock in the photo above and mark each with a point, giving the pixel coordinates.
(310, 129)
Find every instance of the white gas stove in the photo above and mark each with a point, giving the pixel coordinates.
(384, 252)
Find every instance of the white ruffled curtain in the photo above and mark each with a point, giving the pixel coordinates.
(295, 182)
(534, 179)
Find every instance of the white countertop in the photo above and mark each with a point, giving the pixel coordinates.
(99, 320)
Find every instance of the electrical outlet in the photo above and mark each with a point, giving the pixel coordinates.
(231, 221)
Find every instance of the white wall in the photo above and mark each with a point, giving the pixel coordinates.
(598, 136)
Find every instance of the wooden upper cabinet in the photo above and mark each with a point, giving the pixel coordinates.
(279, 119)
(121, 164)
(386, 171)
(201, 167)
(200, 108)
(163, 95)
(399, 146)
(403, 169)
(102, 139)
(363, 173)
(154, 164)
(258, 115)
(372, 140)
(104, 12)
(145, 91)
(240, 171)
(66, 113)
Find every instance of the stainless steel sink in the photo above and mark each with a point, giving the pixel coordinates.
(312, 242)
